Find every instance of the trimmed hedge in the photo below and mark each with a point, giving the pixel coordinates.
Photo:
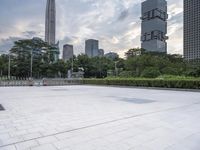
(163, 83)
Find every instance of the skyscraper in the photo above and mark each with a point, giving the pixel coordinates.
(92, 48)
(101, 52)
(154, 25)
(68, 52)
(50, 28)
(50, 22)
(191, 29)
(112, 55)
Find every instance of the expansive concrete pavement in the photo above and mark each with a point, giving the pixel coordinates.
(98, 118)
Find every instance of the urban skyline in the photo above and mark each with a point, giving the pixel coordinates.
(125, 34)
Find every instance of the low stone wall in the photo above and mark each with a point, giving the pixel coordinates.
(42, 82)
(61, 82)
(16, 83)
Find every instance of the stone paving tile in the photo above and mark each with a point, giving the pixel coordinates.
(142, 147)
(179, 147)
(191, 142)
(48, 132)
(26, 145)
(18, 133)
(98, 118)
(12, 147)
(32, 136)
(8, 141)
(83, 146)
(4, 136)
(44, 147)
(62, 144)
(46, 140)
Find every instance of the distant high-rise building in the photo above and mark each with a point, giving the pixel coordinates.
(112, 55)
(191, 29)
(154, 25)
(68, 52)
(101, 52)
(50, 28)
(50, 23)
(92, 48)
(133, 52)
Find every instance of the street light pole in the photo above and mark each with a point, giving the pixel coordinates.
(31, 71)
(72, 64)
(116, 69)
(9, 65)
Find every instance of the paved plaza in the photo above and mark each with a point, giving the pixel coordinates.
(98, 118)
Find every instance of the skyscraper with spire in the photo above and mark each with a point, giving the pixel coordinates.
(50, 27)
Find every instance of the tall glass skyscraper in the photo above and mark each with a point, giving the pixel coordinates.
(154, 25)
(50, 22)
(92, 48)
(68, 52)
(191, 29)
(50, 28)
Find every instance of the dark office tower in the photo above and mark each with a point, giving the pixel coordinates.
(191, 29)
(92, 48)
(154, 25)
(101, 52)
(50, 22)
(68, 52)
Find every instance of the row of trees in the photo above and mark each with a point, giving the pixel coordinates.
(153, 64)
(35, 58)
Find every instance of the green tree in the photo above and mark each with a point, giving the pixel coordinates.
(150, 72)
(4, 65)
(35, 51)
(134, 52)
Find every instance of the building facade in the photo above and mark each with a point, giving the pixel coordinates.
(154, 25)
(68, 52)
(92, 48)
(191, 29)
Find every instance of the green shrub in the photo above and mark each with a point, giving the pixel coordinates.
(145, 82)
(193, 72)
(173, 77)
(127, 74)
(169, 71)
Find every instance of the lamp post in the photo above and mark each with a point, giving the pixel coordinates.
(31, 69)
(72, 64)
(9, 65)
(116, 69)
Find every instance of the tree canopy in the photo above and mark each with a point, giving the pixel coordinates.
(137, 64)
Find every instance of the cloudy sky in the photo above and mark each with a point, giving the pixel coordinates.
(115, 23)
